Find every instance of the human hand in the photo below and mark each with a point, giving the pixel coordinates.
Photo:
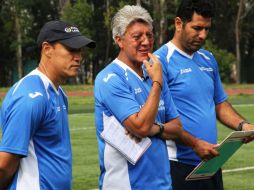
(154, 130)
(248, 127)
(154, 69)
(205, 150)
(133, 137)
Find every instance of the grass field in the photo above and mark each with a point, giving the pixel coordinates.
(86, 170)
(85, 152)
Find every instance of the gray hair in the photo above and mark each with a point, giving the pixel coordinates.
(127, 15)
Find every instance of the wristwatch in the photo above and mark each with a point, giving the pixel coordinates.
(240, 126)
(161, 129)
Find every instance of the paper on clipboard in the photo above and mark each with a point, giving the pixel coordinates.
(114, 135)
(206, 169)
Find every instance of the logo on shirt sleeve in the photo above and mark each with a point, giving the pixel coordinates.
(35, 94)
(108, 77)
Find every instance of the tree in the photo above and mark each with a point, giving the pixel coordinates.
(244, 8)
(226, 61)
(20, 22)
(163, 15)
(20, 25)
(81, 13)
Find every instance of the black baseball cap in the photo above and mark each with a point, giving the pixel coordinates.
(65, 33)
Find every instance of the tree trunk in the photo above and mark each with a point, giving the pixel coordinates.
(108, 43)
(61, 5)
(163, 21)
(237, 40)
(19, 45)
(160, 22)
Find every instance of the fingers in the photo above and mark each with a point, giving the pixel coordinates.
(214, 152)
(206, 151)
(155, 61)
(153, 58)
(248, 127)
(146, 64)
(133, 137)
(208, 154)
(248, 139)
(154, 69)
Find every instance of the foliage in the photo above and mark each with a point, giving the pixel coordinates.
(81, 14)
(94, 17)
(225, 60)
(32, 14)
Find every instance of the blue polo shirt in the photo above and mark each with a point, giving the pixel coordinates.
(196, 88)
(120, 92)
(34, 123)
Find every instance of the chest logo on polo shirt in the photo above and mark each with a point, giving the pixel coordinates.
(108, 77)
(137, 90)
(161, 105)
(208, 69)
(58, 108)
(35, 94)
(187, 70)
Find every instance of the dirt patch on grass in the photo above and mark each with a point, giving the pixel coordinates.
(237, 91)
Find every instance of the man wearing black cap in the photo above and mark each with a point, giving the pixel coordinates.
(35, 152)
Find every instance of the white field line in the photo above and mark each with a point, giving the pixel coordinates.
(83, 128)
(89, 128)
(224, 171)
(243, 105)
(229, 171)
(238, 169)
(235, 105)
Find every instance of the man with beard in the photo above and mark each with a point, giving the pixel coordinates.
(193, 79)
(130, 91)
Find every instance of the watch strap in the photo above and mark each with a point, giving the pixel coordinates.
(240, 126)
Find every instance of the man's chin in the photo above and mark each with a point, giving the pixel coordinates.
(145, 57)
(73, 74)
(195, 48)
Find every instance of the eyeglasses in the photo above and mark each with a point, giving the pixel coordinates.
(140, 37)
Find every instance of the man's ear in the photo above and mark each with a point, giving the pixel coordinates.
(119, 41)
(178, 24)
(47, 49)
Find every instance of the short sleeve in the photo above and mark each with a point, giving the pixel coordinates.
(21, 115)
(116, 96)
(219, 93)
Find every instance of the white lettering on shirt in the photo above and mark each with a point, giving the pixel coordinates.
(208, 69)
(188, 70)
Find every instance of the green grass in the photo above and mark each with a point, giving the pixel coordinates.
(85, 151)
(86, 168)
(85, 155)
(79, 104)
(73, 88)
(244, 157)
(241, 99)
